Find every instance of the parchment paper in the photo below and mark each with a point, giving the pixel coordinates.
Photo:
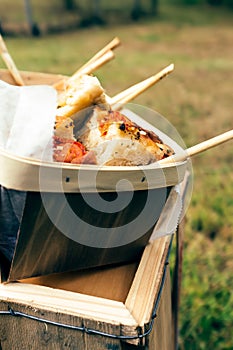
(27, 116)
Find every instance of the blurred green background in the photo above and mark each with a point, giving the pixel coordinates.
(196, 35)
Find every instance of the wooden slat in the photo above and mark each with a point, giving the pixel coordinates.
(162, 336)
(66, 302)
(108, 282)
(23, 333)
(140, 299)
(30, 78)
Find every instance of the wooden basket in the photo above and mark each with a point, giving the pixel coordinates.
(48, 241)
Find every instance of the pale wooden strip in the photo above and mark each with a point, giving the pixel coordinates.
(10, 63)
(32, 78)
(111, 283)
(66, 302)
(141, 298)
(29, 171)
(162, 336)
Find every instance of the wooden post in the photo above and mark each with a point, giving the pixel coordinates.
(35, 31)
(177, 280)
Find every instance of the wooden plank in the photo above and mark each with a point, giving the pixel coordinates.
(161, 336)
(140, 299)
(106, 282)
(66, 302)
(29, 334)
(23, 333)
(177, 278)
(30, 78)
(63, 307)
(44, 248)
(102, 342)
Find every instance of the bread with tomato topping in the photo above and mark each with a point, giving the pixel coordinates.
(116, 140)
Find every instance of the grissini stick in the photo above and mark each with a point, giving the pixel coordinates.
(10, 63)
(199, 148)
(109, 47)
(88, 70)
(98, 60)
(135, 90)
(91, 67)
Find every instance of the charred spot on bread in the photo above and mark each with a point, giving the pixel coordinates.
(122, 127)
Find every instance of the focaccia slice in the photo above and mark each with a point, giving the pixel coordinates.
(116, 140)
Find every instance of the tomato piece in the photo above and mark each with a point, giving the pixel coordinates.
(76, 151)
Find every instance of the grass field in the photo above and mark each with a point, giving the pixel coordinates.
(197, 99)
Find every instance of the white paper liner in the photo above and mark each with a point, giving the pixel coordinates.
(27, 117)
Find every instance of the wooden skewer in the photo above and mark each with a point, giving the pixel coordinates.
(10, 63)
(135, 90)
(200, 147)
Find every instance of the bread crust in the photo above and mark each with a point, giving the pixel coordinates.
(116, 140)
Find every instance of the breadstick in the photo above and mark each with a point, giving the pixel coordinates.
(10, 63)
